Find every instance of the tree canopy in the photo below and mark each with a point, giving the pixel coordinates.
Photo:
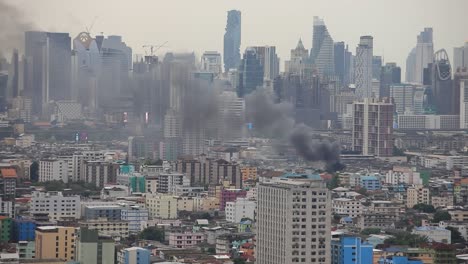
(152, 233)
(441, 216)
(426, 208)
(406, 239)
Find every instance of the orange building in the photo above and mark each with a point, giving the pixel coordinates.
(55, 242)
(249, 173)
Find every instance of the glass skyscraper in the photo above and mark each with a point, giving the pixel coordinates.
(232, 40)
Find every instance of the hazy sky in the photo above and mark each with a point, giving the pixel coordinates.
(198, 25)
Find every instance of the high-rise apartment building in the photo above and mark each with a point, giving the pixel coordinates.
(460, 56)
(463, 103)
(293, 221)
(55, 243)
(53, 170)
(417, 195)
(363, 68)
(211, 62)
(57, 205)
(373, 127)
(322, 48)
(232, 40)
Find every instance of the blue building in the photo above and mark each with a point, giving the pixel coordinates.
(250, 73)
(371, 183)
(232, 40)
(351, 250)
(399, 260)
(111, 212)
(134, 255)
(24, 230)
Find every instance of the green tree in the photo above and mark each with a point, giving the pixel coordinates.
(211, 251)
(152, 233)
(426, 208)
(456, 235)
(441, 216)
(335, 182)
(370, 231)
(398, 152)
(238, 261)
(362, 191)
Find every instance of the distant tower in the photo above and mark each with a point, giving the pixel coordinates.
(460, 57)
(211, 62)
(322, 48)
(342, 58)
(411, 66)
(250, 73)
(232, 40)
(363, 67)
(299, 57)
(424, 54)
(390, 74)
(442, 88)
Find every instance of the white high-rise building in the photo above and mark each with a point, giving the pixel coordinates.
(322, 53)
(56, 205)
(363, 68)
(53, 170)
(424, 54)
(168, 181)
(293, 221)
(211, 62)
(460, 57)
(239, 209)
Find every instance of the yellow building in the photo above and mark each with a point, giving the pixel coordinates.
(185, 204)
(161, 206)
(205, 203)
(249, 173)
(55, 242)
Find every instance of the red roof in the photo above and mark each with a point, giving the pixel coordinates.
(8, 173)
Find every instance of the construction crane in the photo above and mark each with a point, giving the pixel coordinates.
(153, 48)
(88, 29)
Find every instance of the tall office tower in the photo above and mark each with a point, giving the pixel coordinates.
(410, 76)
(342, 62)
(269, 61)
(363, 68)
(460, 57)
(232, 40)
(408, 99)
(211, 62)
(376, 67)
(114, 92)
(460, 75)
(299, 58)
(293, 221)
(322, 50)
(50, 55)
(250, 73)
(463, 103)
(442, 88)
(390, 74)
(373, 127)
(86, 69)
(424, 54)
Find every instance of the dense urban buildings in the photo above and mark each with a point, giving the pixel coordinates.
(118, 150)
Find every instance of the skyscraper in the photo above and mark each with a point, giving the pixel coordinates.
(50, 54)
(322, 48)
(299, 58)
(407, 98)
(342, 62)
(250, 73)
(293, 220)
(459, 77)
(232, 40)
(442, 89)
(460, 56)
(390, 74)
(424, 54)
(376, 67)
(363, 67)
(464, 103)
(411, 66)
(373, 127)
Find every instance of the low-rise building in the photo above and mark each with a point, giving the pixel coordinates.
(434, 234)
(347, 207)
(133, 255)
(239, 209)
(442, 201)
(417, 195)
(135, 215)
(350, 249)
(94, 249)
(185, 239)
(370, 183)
(57, 205)
(105, 227)
(161, 206)
(55, 243)
(27, 249)
(376, 220)
(205, 203)
(459, 215)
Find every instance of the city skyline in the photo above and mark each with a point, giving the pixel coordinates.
(394, 37)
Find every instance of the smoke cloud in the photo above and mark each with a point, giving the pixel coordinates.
(276, 120)
(13, 24)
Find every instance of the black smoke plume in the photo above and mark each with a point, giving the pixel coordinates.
(275, 120)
